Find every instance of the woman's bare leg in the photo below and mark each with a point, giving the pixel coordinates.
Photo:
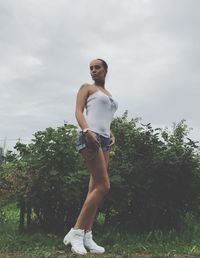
(106, 158)
(91, 188)
(98, 187)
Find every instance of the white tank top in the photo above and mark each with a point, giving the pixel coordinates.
(100, 109)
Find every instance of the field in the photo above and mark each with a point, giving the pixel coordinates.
(118, 245)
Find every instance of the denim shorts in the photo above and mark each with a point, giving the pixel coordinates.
(104, 142)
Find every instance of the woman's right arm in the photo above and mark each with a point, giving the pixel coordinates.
(81, 99)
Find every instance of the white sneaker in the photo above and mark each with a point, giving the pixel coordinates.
(91, 245)
(75, 238)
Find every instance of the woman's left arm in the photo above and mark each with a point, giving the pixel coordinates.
(112, 138)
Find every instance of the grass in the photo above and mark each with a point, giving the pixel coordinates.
(152, 245)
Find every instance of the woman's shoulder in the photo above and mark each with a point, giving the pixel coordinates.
(86, 87)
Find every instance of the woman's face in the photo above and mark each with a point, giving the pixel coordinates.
(97, 70)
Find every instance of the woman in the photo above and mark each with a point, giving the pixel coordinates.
(94, 143)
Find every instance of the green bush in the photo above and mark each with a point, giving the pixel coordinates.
(48, 177)
(154, 177)
(152, 173)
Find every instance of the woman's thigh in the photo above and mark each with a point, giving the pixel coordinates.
(106, 158)
(97, 167)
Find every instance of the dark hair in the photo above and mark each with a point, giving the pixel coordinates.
(105, 66)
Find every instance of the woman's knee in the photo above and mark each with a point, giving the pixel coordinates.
(104, 188)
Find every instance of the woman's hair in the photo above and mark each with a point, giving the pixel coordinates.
(105, 66)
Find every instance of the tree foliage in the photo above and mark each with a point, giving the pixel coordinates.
(153, 172)
(48, 176)
(154, 177)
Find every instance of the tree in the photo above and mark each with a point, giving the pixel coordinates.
(152, 176)
(48, 177)
(155, 177)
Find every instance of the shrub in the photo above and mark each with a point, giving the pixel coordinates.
(48, 177)
(152, 175)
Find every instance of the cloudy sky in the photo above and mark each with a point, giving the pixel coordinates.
(151, 46)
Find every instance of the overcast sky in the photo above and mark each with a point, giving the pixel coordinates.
(151, 47)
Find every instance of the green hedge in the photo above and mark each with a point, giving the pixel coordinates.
(154, 177)
(154, 174)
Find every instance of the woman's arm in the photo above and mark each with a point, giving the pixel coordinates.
(81, 99)
(111, 134)
(112, 138)
(80, 104)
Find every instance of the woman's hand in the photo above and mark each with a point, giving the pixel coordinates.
(91, 140)
(112, 140)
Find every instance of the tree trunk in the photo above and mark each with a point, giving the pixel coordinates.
(28, 211)
(22, 215)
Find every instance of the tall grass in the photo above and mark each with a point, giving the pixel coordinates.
(152, 244)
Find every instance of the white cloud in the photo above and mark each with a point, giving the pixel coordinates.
(152, 48)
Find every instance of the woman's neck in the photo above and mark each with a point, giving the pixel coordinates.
(100, 84)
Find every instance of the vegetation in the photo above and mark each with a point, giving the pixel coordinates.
(154, 175)
(152, 208)
(157, 244)
(46, 176)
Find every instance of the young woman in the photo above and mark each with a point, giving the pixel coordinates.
(94, 143)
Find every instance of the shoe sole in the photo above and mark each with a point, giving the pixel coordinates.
(73, 251)
(95, 252)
